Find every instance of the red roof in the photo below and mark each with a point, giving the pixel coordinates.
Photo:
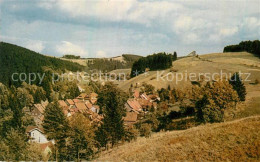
(62, 103)
(93, 94)
(144, 96)
(88, 104)
(81, 105)
(134, 104)
(136, 94)
(76, 100)
(43, 146)
(70, 101)
(130, 117)
(144, 102)
(39, 107)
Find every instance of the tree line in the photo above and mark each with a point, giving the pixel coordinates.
(70, 56)
(248, 46)
(109, 64)
(157, 61)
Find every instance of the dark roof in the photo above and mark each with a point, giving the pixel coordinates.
(30, 128)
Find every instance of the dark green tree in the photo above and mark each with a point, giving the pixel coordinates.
(164, 94)
(238, 86)
(47, 84)
(74, 90)
(40, 95)
(112, 101)
(175, 56)
(56, 128)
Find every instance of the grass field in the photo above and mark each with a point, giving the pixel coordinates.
(209, 63)
(237, 140)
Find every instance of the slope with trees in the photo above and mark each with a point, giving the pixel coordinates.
(15, 59)
(159, 61)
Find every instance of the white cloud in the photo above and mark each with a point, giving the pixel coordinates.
(69, 48)
(101, 54)
(46, 4)
(143, 12)
(154, 25)
(33, 45)
(228, 31)
(183, 23)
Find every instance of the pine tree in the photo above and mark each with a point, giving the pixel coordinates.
(39, 95)
(81, 138)
(112, 101)
(56, 128)
(47, 84)
(17, 109)
(238, 86)
(101, 136)
(17, 145)
(74, 90)
(175, 56)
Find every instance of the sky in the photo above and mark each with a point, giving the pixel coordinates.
(106, 28)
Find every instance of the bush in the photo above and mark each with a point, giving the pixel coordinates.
(218, 97)
(131, 134)
(145, 130)
(148, 88)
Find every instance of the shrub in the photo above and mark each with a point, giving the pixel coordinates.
(145, 130)
(238, 86)
(131, 134)
(218, 97)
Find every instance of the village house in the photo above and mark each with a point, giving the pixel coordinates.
(37, 112)
(133, 105)
(36, 134)
(140, 104)
(70, 102)
(130, 118)
(83, 97)
(93, 97)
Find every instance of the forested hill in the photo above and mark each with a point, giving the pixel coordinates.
(248, 46)
(16, 59)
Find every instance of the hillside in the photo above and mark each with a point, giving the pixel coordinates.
(124, 61)
(209, 63)
(231, 141)
(15, 59)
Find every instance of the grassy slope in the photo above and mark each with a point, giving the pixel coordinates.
(237, 140)
(210, 63)
(83, 61)
(231, 141)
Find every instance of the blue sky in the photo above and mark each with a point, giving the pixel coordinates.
(105, 28)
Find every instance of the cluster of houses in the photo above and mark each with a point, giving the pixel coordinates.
(138, 106)
(84, 103)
